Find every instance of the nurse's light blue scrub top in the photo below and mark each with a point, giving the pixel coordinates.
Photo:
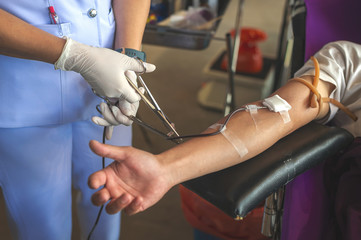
(33, 93)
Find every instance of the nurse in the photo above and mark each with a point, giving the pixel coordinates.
(45, 109)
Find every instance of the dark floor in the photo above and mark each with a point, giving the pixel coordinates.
(176, 84)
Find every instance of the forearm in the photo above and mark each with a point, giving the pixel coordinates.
(131, 17)
(200, 156)
(22, 40)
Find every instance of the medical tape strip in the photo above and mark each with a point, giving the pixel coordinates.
(237, 143)
(253, 110)
(278, 104)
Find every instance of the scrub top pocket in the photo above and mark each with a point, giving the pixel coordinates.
(31, 91)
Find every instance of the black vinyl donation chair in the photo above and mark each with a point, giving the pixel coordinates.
(239, 189)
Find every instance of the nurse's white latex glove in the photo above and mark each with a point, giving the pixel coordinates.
(102, 68)
(117, 115)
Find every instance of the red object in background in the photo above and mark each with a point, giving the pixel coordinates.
(207, 218)
(250, 59)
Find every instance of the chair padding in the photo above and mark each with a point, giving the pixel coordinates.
(239, 189)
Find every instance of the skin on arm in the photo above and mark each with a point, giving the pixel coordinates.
(136, 179)
(22, 40)
(131, 18)
(270, 128)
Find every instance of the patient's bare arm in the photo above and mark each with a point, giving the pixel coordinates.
(137, 179)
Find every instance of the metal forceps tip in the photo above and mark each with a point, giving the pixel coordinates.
(152, 104)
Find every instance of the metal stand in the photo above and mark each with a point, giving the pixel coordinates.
(272, 215)
(232, 51)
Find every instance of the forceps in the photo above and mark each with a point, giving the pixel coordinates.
(152, 104)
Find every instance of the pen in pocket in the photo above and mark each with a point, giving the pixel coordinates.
(53, 16)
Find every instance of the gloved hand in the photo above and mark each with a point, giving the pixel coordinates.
(117, 114)
(102, 68)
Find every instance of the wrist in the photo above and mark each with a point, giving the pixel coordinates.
(60, 62)
(72, 49)
(176, 165)
(57, 49)
(171, 174)
(130, 52)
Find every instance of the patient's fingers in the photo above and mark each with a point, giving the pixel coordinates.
(134, 207)
(101, 197)
(97, 179)
(116, 153)
(118, 204)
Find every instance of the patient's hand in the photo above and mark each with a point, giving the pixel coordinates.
(133, 182)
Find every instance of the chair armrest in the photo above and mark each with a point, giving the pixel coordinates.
(239, 189)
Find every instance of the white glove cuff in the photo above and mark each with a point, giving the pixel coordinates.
(72, 56)
(60, 63)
